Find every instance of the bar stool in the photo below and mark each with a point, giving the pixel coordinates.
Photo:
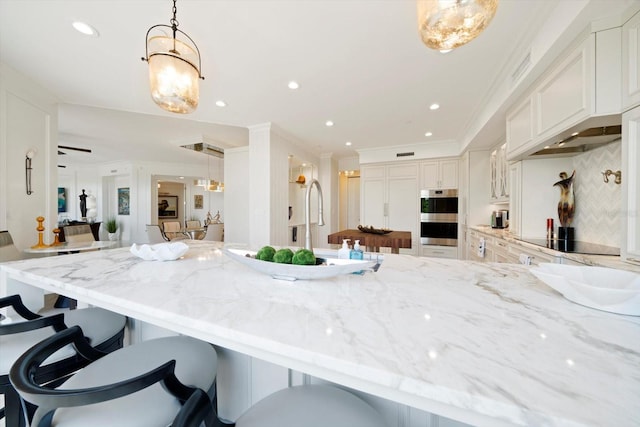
(104, 329)
(317, 405)
(142, 384)
(124, 388)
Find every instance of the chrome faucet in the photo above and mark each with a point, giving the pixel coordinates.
(307, 214)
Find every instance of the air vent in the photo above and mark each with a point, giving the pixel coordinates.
(407, 154)
(205, 148)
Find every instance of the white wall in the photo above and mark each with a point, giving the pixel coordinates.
(539, 196)
(237, 196)
(28, 120)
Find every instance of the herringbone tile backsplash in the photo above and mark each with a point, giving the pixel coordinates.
(598, 216)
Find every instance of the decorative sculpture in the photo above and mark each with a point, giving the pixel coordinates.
(566, 205)
(83, 204)
(40, 228)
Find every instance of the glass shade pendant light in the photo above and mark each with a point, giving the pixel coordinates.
(174, 67)
(448, 24)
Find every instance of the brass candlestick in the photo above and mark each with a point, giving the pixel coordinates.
(56, 237)
(40, 229)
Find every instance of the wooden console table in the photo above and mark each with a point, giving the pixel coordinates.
(373, 242)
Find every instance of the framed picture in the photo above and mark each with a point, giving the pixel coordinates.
(167, 206)
(198, 201)
(123, 201)
(62, 199)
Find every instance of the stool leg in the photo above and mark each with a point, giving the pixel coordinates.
(14, 416)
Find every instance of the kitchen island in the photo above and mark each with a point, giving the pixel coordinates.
(482, 343)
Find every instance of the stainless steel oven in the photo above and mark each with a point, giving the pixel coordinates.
(439, 217)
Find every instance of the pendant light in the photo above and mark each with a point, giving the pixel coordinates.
(448, 24)
(174, 67)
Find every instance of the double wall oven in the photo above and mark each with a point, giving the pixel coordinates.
(439, 217)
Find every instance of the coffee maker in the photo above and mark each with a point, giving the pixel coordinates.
(500, 219)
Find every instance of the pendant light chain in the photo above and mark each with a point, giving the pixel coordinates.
(174, 24)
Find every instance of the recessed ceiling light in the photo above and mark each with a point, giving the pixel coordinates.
(293, 85)
(428, 134)
(221, 103)
(561, 144)
(446, 50)
(434, 106)
(181, 177)
(329, 123)
(574, 134)
(85, 29)
(348, 143)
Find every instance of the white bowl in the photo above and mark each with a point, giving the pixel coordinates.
(159, 251)
(606, 289)
(334, 266)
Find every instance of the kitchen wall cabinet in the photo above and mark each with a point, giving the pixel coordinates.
(390, 198)
(499, 174)
(515, 198)
(585, 83)
(438, 174)
(630, 248)
(631, 62)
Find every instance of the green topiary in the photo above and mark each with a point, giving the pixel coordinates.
(283, 256)
(304, 257)
(266, 253)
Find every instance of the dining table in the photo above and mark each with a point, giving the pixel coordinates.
(395, 240)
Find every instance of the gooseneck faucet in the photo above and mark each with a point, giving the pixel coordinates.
(307, 214)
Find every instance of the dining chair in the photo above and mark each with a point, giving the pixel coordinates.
(78, 233)
(155, 234)
(194, 229)
(105, 330)
(142, 384)
(8, 251)
(214, 232)
(173, 230)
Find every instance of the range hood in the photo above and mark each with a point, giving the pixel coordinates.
(588, 135)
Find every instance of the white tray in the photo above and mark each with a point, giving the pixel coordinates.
(334, 267)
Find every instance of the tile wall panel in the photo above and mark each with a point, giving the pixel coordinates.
(598, 204)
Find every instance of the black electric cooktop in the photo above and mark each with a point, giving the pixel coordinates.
(575, 246)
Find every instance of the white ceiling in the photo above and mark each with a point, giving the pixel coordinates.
(359, 63)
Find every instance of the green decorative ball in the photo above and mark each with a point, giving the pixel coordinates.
(266, 253)
(283, 256)
(304, 257)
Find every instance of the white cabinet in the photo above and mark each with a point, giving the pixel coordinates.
(515, 198)
(437, 174)
(585, 84)
(520, 130)
(390, 198)
(499, 174)
(630, 184)
(631, 62)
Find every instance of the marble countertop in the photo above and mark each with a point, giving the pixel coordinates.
(609, 261)
(483, 343)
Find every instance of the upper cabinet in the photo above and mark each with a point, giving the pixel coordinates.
(584, 84)
(438, 174)
(631, 62)
(499, 174)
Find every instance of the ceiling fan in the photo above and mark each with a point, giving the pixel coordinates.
(66, 147)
